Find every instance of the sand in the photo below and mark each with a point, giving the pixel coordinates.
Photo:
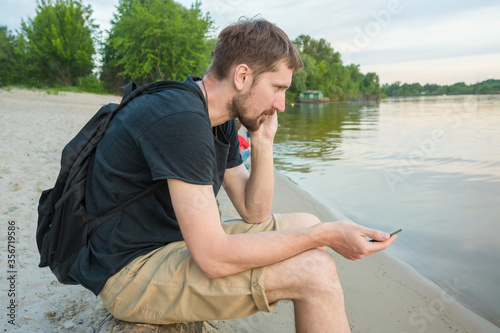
(382, 294)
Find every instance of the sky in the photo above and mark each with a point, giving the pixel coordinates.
(425, 41)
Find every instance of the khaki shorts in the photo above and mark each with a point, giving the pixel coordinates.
(166, 286)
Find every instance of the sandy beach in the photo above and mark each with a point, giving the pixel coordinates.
(382, 294)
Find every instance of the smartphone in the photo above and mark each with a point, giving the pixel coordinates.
(392, 233)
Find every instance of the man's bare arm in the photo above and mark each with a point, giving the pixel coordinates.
(252, 194)
(219, 254)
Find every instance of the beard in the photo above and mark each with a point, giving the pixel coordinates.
(239, 107)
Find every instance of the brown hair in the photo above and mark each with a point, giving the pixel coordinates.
(256, 43)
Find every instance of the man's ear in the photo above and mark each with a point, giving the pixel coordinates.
(242, 76)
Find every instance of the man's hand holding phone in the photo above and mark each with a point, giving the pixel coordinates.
(391, 234)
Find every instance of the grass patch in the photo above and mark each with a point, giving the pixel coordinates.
(88, 84)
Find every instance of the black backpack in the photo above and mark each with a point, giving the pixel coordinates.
(64, 227)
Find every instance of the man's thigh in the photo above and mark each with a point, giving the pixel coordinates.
(167, 286)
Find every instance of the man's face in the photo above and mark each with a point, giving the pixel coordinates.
(267, 96)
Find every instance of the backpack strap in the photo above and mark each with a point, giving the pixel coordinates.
(130, 93)
(127, 90)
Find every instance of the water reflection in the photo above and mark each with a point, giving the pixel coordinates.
(313, 133)
(383, 166)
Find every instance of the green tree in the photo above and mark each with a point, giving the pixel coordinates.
(299, 81)
(323, 70)
(487, 87)
(26, 68)
(59, 41)
(337, 75)
(110, 68)
(460, 88)
(16, 66)
(7, 57)
(370, 88)
(320, 50)
(431, 89)
(352, 84)
(154, 40)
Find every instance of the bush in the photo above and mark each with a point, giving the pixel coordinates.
(91, 84)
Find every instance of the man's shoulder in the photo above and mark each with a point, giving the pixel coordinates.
(189, 99)
(148, 109)
(174, 98)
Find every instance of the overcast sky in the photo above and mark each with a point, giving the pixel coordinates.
(426, 41)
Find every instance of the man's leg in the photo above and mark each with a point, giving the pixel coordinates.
(167, 286)
(310, 280)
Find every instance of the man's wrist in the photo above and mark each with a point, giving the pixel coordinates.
(320, 233)
(258, 141)
(261, 148)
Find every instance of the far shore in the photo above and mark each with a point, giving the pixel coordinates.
(382, 294)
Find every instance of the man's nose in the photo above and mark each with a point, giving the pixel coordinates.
(279, 103)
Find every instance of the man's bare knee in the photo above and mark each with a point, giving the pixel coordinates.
(299, 220)
(307, 275)
(323, 274)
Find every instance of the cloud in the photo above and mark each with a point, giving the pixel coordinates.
(103, 12)
(13, 11)
(468, 69)
(419, 31)
(458, 35)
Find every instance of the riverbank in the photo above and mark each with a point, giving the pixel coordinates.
(429, 165)
(382, 294)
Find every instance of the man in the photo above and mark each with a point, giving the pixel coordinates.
(167, 258)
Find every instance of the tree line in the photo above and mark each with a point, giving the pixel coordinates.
(416, 89)
(152, 40)
(324, 70)
(149, 40)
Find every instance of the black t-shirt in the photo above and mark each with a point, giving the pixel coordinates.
(165, 135)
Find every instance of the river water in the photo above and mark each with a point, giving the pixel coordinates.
(430, 165)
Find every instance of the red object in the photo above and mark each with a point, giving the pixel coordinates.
(243, 142)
